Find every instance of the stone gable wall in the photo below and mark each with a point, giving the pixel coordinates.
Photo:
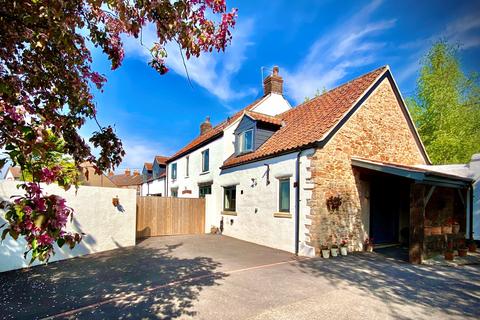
(378, 131)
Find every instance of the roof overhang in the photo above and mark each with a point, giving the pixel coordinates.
(419, 175)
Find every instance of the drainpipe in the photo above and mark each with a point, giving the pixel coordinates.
(297, 202)
(471, 212)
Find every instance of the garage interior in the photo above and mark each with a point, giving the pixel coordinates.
(406, 203)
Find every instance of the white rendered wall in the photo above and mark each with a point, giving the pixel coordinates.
(255, 208)
(106, 228)
(156, 186)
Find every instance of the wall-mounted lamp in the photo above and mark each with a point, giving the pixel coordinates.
(254, 182)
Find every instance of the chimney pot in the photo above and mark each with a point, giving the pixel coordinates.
(205, 126)
(127, 172)
(273, 83)
(110, 173)
(136, 173)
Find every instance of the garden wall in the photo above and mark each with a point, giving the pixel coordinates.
(105, 226)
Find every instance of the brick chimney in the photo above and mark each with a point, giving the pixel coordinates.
(273, 83)
(205, 126)
(110, 173)
(127, 172)
(136, 173)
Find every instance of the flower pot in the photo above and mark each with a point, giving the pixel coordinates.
(447, 229)
(427, 231)
(456, 228)
(343, 251)
(369, 248)
(326, 253)
(436, 231)
(334, 252)
(462, 252)
(449, 255)
(472, 247)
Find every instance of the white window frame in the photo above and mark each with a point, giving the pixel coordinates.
(241, 141)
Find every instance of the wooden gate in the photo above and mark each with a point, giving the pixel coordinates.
(160, 216)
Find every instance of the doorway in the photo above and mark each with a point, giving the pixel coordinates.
(389, 210)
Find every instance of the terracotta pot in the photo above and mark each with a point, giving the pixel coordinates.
(447, 229)
(449, 255)
(436, 231)
(462, 252)
(456, 228)
(472, 247)
(326, 253)
(427, 231)
(343, 251)
(369, 248)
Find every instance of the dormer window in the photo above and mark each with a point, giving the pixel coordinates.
(245, 141)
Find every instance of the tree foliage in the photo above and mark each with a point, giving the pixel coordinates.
(446, 107)
(47, 84)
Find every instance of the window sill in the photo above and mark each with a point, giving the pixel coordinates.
(282, 215)
(206, 172)
(229, 213)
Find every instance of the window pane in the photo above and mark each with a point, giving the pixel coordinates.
(187, 166)
(240, 143)
(284, 195)
(205, 160)
(229, 198)
(248, 140)
(174, 171)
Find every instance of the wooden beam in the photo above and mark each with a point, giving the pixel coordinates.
(429, 195)
(417, 217)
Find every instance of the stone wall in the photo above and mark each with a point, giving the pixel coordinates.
(378, 130)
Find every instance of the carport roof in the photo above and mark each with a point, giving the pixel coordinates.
(419, 174)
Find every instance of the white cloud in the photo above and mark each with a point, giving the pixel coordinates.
(212, 71)
(462, 31)
(348, 45)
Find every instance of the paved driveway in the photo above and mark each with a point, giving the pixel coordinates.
(215, 277)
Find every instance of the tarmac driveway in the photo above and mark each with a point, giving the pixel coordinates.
(217, 277)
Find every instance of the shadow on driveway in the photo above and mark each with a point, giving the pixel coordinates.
(454, 291)
(127, 283)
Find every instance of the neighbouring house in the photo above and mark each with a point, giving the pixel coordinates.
(342, 166)
(127, 180)
(13, 174)
(154, 177)
(470, 170)
(89, 177)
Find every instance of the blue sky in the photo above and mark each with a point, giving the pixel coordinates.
(316, 44)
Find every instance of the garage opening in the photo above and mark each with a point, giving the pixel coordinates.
(389, 210)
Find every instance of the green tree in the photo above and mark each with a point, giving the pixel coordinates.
(446, 107)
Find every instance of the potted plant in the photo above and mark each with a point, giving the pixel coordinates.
(325, 251)
(343, 248)
(462, 251)
(427, 229)
(455, 227)
(449, 252)
(334, 250)
(436, 229)
(472, 246)
(447, 226)
(368, 245)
